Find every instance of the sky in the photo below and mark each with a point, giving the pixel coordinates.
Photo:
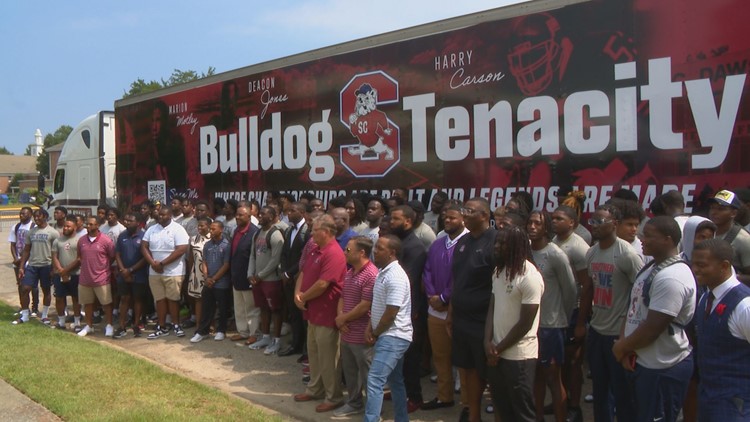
(64, 61)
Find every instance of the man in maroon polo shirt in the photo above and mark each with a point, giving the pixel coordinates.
(96, 252)
(317, 293)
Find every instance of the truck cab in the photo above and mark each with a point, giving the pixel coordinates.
(85, 174)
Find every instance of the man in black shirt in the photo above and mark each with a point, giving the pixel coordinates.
(412, 259)
(472, 287)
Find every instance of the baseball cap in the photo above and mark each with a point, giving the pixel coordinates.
(726, 198)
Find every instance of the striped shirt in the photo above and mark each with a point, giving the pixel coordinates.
(392, 288)
(358, 287)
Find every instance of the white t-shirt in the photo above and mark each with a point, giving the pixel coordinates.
(525, 289)
(672, 293)
(162, 241)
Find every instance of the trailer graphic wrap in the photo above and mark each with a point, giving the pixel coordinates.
(378, 149)
(650, 96)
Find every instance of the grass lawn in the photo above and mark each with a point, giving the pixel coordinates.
(81, 380)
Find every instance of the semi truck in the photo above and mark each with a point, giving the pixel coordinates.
(594, 95)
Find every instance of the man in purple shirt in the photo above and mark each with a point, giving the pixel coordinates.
(96, 252)
(438, 283)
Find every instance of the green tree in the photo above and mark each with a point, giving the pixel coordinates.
(140, 86)
(28, 150)
(4, 151)
(59, 136)
(15, 181)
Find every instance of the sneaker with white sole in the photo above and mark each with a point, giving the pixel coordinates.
(178, 331)
(197, 338)
(121, 333)
(220, 336)
(86, 331)
(346, 410)
(159, 332)
(261, 344)
(273, 348)
(109, 331)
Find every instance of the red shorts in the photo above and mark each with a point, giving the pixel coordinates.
(268, 295)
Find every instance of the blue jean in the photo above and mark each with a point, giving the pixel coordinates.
(725, 409)
(660, 393)
(608, 379)
(387, 367)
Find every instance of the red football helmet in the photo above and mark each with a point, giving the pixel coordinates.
(537, 57)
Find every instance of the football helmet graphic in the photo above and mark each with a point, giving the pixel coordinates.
(537, 57)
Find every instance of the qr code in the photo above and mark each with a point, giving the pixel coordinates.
(157, 191)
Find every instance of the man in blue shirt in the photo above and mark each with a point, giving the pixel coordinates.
(216, 288)
(132, 274)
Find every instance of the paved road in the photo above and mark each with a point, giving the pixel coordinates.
(266, 381)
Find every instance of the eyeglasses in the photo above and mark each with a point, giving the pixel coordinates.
(468, 211)
(598, 221)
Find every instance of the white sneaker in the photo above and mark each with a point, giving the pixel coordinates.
(262, 343)
(197, 338)
(86, 331)
(273, 348)
(219, 336)
(109, 331)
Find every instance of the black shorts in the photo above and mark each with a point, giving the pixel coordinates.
(467, 348)
(551, 346)
(137, 290)
(69, 288)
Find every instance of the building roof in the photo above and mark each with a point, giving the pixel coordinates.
(12, 164)
(56, 147)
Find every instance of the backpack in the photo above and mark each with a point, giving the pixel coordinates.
(733, 232)
(270, 233)
(647, 283)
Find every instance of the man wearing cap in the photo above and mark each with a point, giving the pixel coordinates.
(723, 211)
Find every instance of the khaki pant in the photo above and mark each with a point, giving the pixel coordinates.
(441, 357)
(246, 314)
(323, 354)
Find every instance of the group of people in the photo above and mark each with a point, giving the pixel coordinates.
(378, 291)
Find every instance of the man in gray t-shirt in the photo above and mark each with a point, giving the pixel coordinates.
(612, 265)
(65, 271)
(37, 254)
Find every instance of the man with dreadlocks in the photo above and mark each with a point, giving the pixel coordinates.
(575, 199)
(510, 339)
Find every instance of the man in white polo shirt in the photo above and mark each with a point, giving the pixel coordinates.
(164, 246)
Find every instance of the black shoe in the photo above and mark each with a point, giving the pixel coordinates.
(288, 351)
(549, 409)
(306, 379)
(464, 415)
(436, 404)
(302, 359)
(136, 331)
(121, 333)
(574, 415)
(188, 323)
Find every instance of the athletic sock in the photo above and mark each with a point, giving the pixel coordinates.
(45, 311)
(25, 315)
(77, 320)
(61, 321)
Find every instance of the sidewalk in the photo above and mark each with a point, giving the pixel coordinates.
(17, 407)
(268, 382)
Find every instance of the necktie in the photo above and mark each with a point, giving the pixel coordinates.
(709, 304)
